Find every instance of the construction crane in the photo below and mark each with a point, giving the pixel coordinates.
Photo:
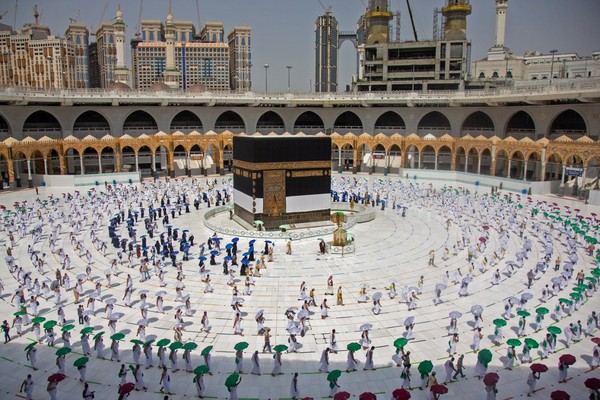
(139, 22)
(412, 21)
(198, 12)
(101, 18)
(15, 16)
(3, 14)
(37, 15)
(326, 9)
(74, 19)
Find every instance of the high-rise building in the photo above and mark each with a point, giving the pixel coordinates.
(240, 62)
(35, 58)
(326, 53)
(78, 35)
(93, 67)
(203, 64)
(107, 54)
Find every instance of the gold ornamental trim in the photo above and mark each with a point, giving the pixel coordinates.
(304, 174)
(281, 165)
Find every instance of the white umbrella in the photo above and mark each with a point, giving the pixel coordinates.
(467, 279)
(93, 294)
(110, 300)
(476, 309)
(394, 280)
(556, 279)
(180, 307)
(526, 296)
(303, 313)
(81, 277)
(143, 322)
(413, 289)
(513, 299)
(364, 285)
(409, 320)
(161, 293)
(294, 330)
(365, 327)
(377, 295)
(259, 313)
(145, 306)
(455, 314)
(238, 300)
(180, 285)
(292, 310)
(440, 286)
(186, 298)
(88, 312)
(115, 316)
(143, 291)
(107, 272)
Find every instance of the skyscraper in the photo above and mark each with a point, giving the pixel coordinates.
(240, 61)
(78, 35)
(326, 53)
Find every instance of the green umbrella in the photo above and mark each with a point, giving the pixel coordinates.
(484, 357)
(87, 330)
(425, 367)
(523, 313)
(38, 320)
(175, 346)
(575, 296)
(400, 343)
(20, 313)
(531, 343)
(354, 346)
(555, 330)
(593, 280)
(97, 335)
(118, 336)
(500, 322)
(190, 346)
(50, 324)
(67, 328)
(80, 362)
(542, 310)
(596, 271)
(136, 341)
(241, 346)
(578, 289)
(206, 350)
(280, 348)
(149, 342)
(29, 346)
(566, 301)
(163, 342)
(63, 351)
(232, 380)
(334, 375)
(513, 342)
(201, 370)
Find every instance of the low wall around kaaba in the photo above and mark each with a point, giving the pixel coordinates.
(282, 180)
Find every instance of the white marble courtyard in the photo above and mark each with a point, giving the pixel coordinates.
(390, 247)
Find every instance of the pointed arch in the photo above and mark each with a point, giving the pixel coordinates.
(434, 123)
(309, 122)
(42, 123)
(90, 123)
(478, 123)
(230, 121)
(185, 121)
(270, 122)
(521, 125)
(568, 123)
(139, 122)
(347, 122)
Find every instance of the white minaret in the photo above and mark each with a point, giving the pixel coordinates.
(501, 8)
(121, 72)
(171, 72)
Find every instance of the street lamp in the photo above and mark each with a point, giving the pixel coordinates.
(289, 68)
(552, 64)
(266, 78)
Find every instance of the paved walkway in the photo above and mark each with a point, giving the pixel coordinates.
(390, 247)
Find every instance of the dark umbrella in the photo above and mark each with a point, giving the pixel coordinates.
(559, 395)
(567, 359)
(592, 383)
(537, 367)
(342, 396)
(401, 394)
(56, 377)
(439, 389)
(126, 388)
(367, 396)
(491, 378)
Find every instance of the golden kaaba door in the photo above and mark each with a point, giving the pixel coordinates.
(274, 192)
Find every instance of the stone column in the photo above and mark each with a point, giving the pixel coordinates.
(100, 162)
(81, 164)
(419, 164)
(29, 178)
(524, 170)
(435, 161)
(356, 161)
(466, 163)
(137, 163)
(63, 165)
(478, 164)
(509, 168)
(340, 168)
(45, 166)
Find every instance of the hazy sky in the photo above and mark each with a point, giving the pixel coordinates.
(283, 30)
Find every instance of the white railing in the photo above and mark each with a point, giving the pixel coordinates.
(558, 89)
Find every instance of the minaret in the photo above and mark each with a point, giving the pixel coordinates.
(378, 18)
(501, 8)
(171, 73)
(455, 13)
(121, 73)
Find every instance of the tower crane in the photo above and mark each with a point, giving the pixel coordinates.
(3, 14)
(412, 21)
(74, 19)
(139, 22)
(326, 9)
(101, 17)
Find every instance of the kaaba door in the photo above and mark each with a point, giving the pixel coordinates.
(274, 192)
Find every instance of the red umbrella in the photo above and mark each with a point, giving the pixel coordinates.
(482, 239)
(592, 383)
(567, 359)
(126, 388)
(439, 389)
(559, 395)
(401, 394)
(342, 396)
(491, 378)
(308, 398)
(537, 367)
(367, 396)
(596, 340)
(56, 377)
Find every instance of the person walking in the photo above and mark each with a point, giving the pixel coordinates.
(324, 362)
(369, 360)
(294, 391)
(276, 364)
(165, 381)
(27, 387)
(255, 364)
(532, 379)
(459, 367)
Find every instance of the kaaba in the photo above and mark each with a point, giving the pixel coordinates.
(282, 180)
